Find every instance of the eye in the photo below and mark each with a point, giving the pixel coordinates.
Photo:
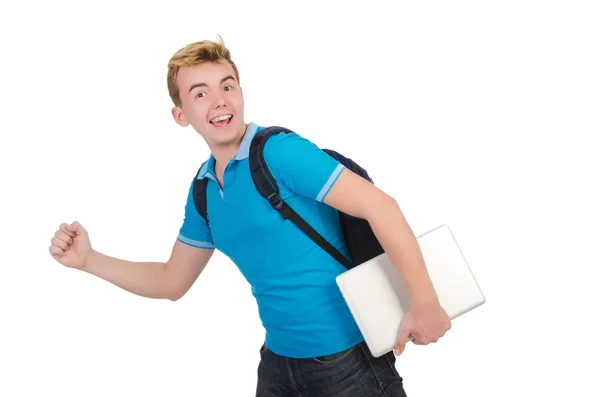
(228, 88)
(200, 95)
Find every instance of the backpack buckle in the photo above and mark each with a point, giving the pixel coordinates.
(275, 201)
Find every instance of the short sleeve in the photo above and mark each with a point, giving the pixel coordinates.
(194, 230)
(301, 166)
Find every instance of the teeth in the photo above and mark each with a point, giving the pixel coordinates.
(221, 118)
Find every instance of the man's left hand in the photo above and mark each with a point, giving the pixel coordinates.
(425, 323)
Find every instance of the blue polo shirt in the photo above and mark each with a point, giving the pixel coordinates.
(292, 278)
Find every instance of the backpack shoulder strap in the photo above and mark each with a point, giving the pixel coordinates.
(261, 176)
(267, 187)
(199, 196)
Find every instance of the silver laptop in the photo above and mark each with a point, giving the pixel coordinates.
(377, 296)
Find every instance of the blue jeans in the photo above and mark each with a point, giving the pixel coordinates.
(351, 373)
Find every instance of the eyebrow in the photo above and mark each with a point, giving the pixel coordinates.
(224, 79)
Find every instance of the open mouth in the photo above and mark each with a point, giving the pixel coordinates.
(222, 121)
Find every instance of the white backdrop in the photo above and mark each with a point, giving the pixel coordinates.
(478, 115)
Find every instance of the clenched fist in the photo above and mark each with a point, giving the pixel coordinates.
(71, 246)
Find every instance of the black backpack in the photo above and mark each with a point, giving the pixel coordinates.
(360, 240)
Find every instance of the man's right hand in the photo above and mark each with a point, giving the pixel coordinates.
(71, 245)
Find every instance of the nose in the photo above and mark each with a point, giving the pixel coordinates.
(218, 100)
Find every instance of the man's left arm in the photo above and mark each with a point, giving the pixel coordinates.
(308, 171)
(427, 321)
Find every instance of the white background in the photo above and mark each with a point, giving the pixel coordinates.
(479, 115)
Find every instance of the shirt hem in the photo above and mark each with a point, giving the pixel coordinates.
(317, 353)
(194, 243)
(330, 182)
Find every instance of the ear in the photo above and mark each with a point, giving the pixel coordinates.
(179, 117)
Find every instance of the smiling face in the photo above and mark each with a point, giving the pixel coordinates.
(212, 103)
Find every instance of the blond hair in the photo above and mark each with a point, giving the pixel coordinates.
(195, 54)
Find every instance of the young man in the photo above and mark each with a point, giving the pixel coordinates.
(313, 346)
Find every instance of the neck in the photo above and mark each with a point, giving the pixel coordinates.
(224, 153)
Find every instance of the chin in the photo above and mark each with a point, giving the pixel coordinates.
(225, 137)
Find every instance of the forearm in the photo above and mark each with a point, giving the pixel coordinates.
(399, 242)
(148, 279)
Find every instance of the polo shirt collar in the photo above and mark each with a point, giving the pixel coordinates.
(243, 152)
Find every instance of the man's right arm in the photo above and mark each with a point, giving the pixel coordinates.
(191, 252)
(158, 280)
